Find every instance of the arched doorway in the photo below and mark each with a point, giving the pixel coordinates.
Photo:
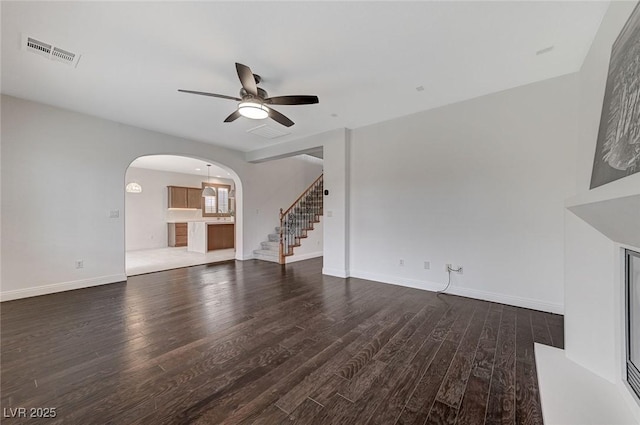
(169, 224)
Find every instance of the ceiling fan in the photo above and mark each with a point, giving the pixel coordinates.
(255, 102)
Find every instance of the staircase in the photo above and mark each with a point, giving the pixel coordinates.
(295, 222)
(269, 249)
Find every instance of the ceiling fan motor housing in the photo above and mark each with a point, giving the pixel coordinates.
(262, 94)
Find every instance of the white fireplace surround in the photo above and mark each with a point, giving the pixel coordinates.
(599, 225)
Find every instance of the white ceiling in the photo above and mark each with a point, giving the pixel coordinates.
(364, 60)
(180, 164)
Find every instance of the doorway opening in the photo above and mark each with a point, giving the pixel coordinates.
(168, 221)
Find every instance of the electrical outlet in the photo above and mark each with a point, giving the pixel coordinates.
(79, 264)
(427, 265)
(453, 269)
(401, 262)
(114, 213)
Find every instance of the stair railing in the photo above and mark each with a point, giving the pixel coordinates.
(296, 220)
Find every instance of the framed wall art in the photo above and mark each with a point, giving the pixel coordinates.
(618, 146)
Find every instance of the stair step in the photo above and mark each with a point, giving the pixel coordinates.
(266, 255)
(274, 237)
(271, 246)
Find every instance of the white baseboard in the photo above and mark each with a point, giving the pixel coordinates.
(394, 280)
(60, 287)
(464, 292)
(531, 303)
(335, 272)
(300, 257)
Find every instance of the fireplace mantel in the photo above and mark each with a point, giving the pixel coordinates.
(613, 210)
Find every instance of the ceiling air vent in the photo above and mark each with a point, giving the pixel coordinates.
(62, 55)
(267, 131)
(38, 46)
(49, 51)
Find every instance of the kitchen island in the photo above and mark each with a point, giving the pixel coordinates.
(204, 236)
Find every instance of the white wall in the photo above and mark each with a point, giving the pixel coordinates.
(147, 213)
(593, 288)
(80, 163)
(480, 184)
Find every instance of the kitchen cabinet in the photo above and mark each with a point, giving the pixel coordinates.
(205, 236)
(220, 236)
(177, 234)
(194, 198)
(185, 197)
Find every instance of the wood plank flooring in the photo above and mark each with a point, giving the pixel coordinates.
(256, 343)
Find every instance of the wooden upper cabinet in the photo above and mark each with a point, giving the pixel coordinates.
(177, 197)
(185, 197)
(194, 198)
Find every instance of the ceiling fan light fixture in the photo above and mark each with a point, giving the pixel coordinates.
(253, 110)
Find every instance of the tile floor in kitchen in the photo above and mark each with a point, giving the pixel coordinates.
(154, 260)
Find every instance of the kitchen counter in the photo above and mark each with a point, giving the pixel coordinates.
(206, 220)
(201, 238)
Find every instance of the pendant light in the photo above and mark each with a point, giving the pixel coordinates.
(208, 190)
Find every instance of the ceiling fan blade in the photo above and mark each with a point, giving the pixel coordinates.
(247, 79)
(277, 116)
(221, 96)
(292, 100)
(234, 116)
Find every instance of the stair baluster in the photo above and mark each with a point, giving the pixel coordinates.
(298, 219)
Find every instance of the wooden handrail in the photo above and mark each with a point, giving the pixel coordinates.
(307, 190)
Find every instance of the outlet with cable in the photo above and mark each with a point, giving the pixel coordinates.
(451, 269)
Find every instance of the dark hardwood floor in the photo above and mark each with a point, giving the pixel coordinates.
(254, 342)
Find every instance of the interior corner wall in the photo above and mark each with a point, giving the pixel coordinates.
(480, 184)
(79, 162)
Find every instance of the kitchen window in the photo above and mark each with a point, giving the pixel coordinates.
(217, 206)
